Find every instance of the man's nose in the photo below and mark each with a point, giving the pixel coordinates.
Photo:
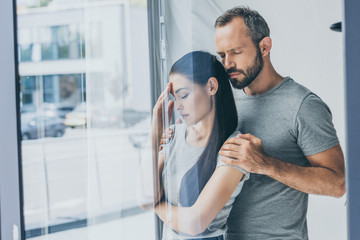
(228, 62)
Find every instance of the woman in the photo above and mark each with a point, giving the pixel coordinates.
(198, 187)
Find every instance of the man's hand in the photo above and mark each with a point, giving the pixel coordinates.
(245, 151)
(326, 176)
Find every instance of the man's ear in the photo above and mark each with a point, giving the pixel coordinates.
(212, 86)
(265, 46)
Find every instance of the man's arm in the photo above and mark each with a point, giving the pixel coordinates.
(325, 176)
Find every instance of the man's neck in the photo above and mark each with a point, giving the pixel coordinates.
(266, 80)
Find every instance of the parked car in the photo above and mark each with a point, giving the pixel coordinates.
(77, 117)
(34, 126)
(63, 110)
(49, 109)
(102, 117)
(57, 109)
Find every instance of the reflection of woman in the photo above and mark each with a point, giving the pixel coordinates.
(198, 193)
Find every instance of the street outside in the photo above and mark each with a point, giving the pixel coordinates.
(89, 172)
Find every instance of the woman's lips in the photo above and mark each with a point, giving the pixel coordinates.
(184, 115)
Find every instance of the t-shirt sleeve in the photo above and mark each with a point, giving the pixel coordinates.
(221, 163)
(314, 126)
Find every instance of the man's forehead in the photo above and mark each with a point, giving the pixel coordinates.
(230, 38)
(227, 43)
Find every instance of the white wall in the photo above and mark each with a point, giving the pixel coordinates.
(304, 48)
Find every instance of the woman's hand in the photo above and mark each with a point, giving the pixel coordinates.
(158, 123)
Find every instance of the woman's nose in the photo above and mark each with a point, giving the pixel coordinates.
(178, 105)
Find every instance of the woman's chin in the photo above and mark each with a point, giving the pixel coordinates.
(188, 122)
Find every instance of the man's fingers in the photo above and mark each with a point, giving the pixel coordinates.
(166, 136)
(165, 140)
(235, 140)
(167, 132)
(170, 131)
(229, 154)
(230, 146)
(248, 137)
(178, 121)
(230, 161)
(245, 136)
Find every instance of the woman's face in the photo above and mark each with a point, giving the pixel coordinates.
(192, 100)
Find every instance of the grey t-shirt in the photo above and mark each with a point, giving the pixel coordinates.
(292, 123)
(180, 157)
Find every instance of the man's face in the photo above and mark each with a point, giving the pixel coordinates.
(241, 58)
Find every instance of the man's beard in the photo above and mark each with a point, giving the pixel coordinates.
(251, 73)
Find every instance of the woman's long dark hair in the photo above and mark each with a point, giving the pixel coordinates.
(198, 67)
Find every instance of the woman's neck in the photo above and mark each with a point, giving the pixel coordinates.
(198, 134)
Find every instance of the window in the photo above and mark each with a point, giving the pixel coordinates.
(85, 116)
(85, 148)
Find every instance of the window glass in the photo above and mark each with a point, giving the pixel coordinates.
(304, 49)
(85, 119)
(86, 111)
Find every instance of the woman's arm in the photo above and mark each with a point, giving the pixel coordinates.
(158, 193)
(195, 219)
(156, 132)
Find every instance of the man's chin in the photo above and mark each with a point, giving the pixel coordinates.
(240, 84)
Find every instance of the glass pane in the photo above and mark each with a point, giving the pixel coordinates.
(85, 119)
(306, 50)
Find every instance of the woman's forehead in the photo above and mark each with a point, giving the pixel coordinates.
(180, 82)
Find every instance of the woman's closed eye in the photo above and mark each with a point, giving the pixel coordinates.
(184, 96)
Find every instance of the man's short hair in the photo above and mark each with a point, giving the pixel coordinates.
(255, 23)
